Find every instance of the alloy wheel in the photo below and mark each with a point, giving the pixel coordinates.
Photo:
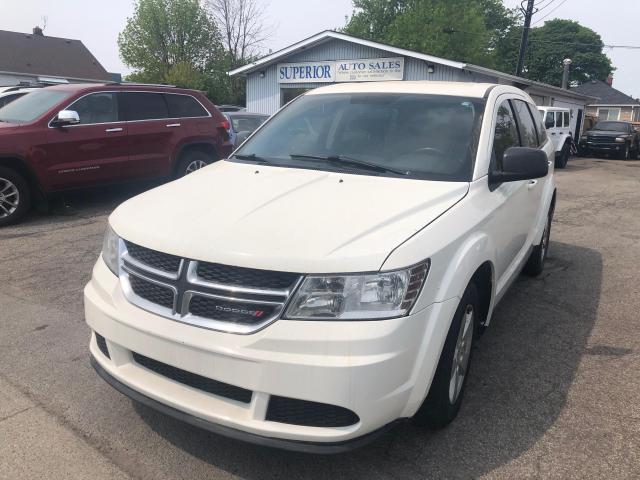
(9, 198)
(461, 355)
(195, 165)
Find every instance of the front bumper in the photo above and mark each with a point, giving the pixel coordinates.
(381, 370)
(602, 147)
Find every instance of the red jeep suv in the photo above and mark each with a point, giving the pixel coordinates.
(71, 136)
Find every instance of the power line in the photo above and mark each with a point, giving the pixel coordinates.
(548, 4)
(550, 12)
(553, 42)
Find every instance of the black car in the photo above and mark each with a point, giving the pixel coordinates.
(615, 138)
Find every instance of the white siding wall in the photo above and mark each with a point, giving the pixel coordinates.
(7, 79)
(263, 94)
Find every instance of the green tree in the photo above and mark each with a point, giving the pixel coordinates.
(172, 41)
(549, 45)
(468, 30)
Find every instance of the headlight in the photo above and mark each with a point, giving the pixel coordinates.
(583, 137)
(358, 297)
(621, 139)
(111, 250)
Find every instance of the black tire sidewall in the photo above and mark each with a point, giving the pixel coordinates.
(188, 157)
(437, 411)
(25, 195)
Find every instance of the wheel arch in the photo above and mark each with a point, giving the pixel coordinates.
(18, 164)
(207, 147)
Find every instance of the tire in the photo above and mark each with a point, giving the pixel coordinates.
(535, 264)
(191, 161)
(624, 154)
(583, 152)
(445, 395)
(15, 196)
(561, 161)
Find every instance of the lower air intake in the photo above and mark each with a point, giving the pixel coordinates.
(102, 345)
(194, 380)
(309, 414)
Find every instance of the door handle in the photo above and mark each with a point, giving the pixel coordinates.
(173, 125)
(109, 130)
(553, 133)
(531, 184)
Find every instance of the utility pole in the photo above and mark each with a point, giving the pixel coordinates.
(528, 13)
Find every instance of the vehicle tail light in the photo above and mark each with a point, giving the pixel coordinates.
(223, 129)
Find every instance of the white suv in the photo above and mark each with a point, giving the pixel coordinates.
(330, 278)
(557, 121)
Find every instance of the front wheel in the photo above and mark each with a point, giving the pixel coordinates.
(561, 161)
(445, 395)
(624, 154)
(15, 196)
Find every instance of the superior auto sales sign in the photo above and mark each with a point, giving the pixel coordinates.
(359, 70)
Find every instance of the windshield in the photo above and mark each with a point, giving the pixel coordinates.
(611, 126)
(31, 106)
(417, 136)
(247, 123)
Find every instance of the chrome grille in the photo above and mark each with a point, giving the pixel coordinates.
(214, 296)
(601, 138)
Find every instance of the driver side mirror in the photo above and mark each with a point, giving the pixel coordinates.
(521, 163)
(66, 117)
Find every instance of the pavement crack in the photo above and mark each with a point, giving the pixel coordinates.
(15, 413)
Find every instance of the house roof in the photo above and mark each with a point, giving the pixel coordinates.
(40, 55)
(328, 35)
(605, 93)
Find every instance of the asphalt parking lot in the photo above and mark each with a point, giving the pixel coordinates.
(553, 391)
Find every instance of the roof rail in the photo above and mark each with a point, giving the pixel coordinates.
(142, 84)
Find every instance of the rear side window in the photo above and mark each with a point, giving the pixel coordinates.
(9, 98)
(99, 107)
(528, 134)
(144, 106)
(184, 106)
(506, 134)
(565, 116)
(558, 119)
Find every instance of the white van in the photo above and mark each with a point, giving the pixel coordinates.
(331, 277)
(557, 121)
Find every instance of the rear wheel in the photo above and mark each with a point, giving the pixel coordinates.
(192, 161)
(535, 264)
(15, 196)
(447, 388)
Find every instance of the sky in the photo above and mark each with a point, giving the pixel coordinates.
(98, 22)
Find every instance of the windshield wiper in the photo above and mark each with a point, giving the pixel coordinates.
(251, 156)
(342, 160)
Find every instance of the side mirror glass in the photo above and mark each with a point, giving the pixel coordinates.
(67, 117)
(521, 163)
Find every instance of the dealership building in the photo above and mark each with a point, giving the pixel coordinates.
(333, 57)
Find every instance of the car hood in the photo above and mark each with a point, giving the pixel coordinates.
(286, 219)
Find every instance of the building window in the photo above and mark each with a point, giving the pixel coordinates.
(636, 114)
(608, 114)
